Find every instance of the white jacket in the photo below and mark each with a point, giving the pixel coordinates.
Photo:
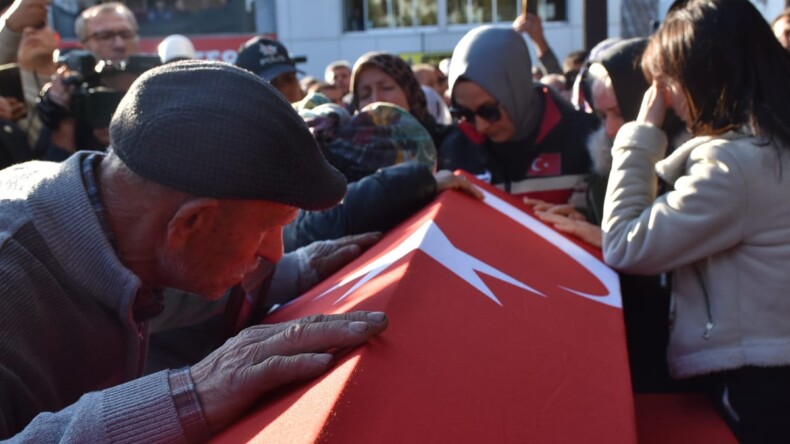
(724, 230)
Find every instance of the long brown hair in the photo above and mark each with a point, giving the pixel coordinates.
(734, 71)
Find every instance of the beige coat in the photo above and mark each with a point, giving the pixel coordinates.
(724, 230)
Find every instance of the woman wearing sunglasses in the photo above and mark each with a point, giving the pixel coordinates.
(533, 141)
(724, 230)
(365, 149)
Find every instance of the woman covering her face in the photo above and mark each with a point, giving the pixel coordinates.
(725, 227)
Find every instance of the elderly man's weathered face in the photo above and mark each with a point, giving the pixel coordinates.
(111, 36)
(232, 240)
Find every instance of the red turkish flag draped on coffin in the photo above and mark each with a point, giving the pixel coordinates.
(501, 330)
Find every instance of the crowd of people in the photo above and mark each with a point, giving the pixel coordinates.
(145, 235)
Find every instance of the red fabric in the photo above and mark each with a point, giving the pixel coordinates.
(471, 132)
(679, 418)
(552, 196)
(454, 365)
(545, 165)
(551, 116)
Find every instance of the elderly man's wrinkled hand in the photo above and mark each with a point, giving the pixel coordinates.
(264, 357)
(319, 260)
(446, 180)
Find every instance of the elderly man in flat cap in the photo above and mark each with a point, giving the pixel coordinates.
(192, 195)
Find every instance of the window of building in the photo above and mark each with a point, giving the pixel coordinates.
(390, 14)
(475, 12)
(382, 14)
(551, 10)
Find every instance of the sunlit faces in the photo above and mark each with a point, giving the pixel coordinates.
(471, 96)
(782, 31)
(428, 78)
(111, 36)
(224, 243)
(374, 85)
(332, 93)
(341, 77)
(607, 108)
(288, 85)
(37, 43)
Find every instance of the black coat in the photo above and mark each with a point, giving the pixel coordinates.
(13, 145)
(375, 203)
(510, 161)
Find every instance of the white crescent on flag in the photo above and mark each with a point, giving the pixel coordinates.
(606, 275)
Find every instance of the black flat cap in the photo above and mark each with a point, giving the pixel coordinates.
(214, 130)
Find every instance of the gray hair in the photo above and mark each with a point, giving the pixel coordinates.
(329, 73)
(103, 8)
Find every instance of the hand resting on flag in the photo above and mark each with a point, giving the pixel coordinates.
(567, 219)
(264, 357)
(446, 180)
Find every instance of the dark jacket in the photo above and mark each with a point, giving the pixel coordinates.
(556, 148)
(374, 203)
(645, 298)
(13, 145)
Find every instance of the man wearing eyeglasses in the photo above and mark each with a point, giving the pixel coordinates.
(108, 31)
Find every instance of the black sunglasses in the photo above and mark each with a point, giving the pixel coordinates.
(489, 112)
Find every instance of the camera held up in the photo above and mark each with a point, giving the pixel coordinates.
(100, 85)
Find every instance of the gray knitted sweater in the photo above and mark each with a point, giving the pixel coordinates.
(68, 342)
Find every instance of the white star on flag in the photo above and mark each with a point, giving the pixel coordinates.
(430, 239)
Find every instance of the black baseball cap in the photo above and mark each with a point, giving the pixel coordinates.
(265, 57)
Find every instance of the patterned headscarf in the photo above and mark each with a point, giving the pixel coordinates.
(401, 72)
(380, 135)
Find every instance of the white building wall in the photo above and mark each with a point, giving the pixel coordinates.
(314, 28)
(770, 9)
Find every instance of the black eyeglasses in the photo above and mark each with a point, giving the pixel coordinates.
(490, 112)
(109, 36)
